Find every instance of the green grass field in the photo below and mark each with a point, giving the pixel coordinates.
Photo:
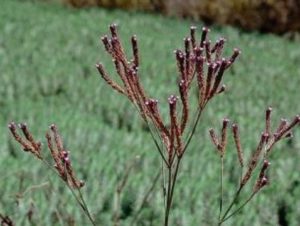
(47, 75)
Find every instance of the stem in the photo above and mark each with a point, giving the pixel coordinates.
(171, 187)
(152, 136)
(156, 144)
(231, 205)
(172, 182)
(168, 206)
(221, 186)
(79, 200)
(175, 178)
(82, 205)
(163, 182)
(198, 116)
(116, 214)
(145, 199)
(238, 209)
(86, 207)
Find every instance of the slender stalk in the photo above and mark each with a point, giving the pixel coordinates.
(117, 205)
(145, 199)
(171, 187)
(239, 208)
(221, 185)
(86, 206)
(82, 205)
(79, 200)
(172, 182)
(231, 205)
(163, 182)
(198, 116)
(175, 179)
(168, 206)
(153, 137)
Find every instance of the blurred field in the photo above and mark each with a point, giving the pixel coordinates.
(47, 74)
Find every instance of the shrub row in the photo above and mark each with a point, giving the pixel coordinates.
(277, 16)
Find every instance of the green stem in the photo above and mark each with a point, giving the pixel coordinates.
(145, 199)
(221, 186)
(168, 205)
(239, 208)
(171, 188)
(79, 200)
(231, 205)
(86, 207)
(198, 116)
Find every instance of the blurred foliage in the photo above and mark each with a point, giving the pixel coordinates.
(265, 15)
(47, 57)
(277, 16)
(124, 4)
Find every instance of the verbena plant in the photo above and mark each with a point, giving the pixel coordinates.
(201, 68)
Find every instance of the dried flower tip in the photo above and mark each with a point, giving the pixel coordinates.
(214, 138)
(180, 62)
(115, 44)
(12, 126)
(66, 160)
(261, 182)
(81, 183)
(182, 85)
(268, 121)
(152, 105)
(172, 100)
(264, 181)
(193, 36)
(266, 164)
(65, 154)
(108, 80)
(295, 122)
(289, 135)
(236, 53)
(218, 78)
(135, 51)
(22, 125)
(222, 41)
(198, 51)
(106, 43)
(225, 123)
(237, 140)
(205, 31)
(113, 30)
(222, 89)
(179, 55)
(224, 135)
(25, 144)
(235, 129)
(215, 46)
(134, 39)
(52, 127)
(187, 41)
(269, 110)
(193, 29)
(282, 125)
(218, 48)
